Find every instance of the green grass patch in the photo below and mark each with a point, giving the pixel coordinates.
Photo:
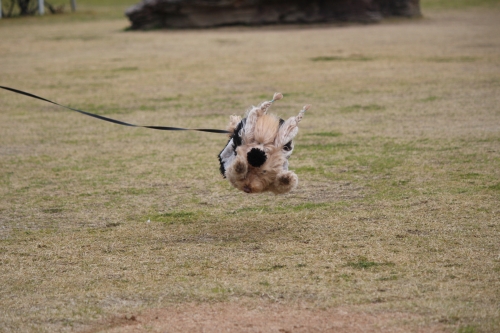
(307, 169)
(272, 268)
(325, 134)
(467, 329)
(376, 163)
(470, 175)
(54, 210)
(364, 263)
(388, 278)
(495, 187)
(452, 59)
(429, 99)
(403, 147)
(358, 107)
(326, 146)
(178, 217)
(341, 58)
(125, 69)
(308, 206)
(456, 4)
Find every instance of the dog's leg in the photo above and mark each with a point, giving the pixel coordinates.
(285, 182)
(254, 114)
(252, 117)
(238, 170)
(290, 128)
(237, 173)
(264, 106)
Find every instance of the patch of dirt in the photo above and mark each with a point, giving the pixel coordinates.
(230, 317)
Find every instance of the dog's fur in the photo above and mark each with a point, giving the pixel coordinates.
(255, 159)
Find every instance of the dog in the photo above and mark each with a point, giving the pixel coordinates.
(255, 159)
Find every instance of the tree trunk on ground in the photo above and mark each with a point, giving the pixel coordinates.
(150, 14)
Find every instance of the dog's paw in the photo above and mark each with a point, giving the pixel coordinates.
(237, 171)
(240, 167)
(285, 182)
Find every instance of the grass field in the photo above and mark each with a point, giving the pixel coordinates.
(395, 221)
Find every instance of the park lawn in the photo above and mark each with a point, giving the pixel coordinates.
(397, 209)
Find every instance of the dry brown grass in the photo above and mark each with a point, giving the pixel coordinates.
(397, 210)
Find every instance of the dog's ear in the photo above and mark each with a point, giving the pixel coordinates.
(289, 128)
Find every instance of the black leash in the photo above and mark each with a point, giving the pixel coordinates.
(162, 128)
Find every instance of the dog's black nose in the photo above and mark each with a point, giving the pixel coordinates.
(256, 157)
